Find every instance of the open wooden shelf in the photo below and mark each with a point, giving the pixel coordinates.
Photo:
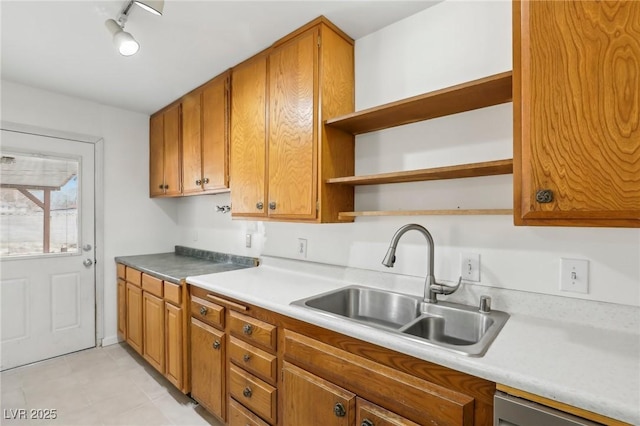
(488, 91)
(488, 168)
(454, 212)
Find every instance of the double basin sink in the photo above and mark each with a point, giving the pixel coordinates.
(460, 328)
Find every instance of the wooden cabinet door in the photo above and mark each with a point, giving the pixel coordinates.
(134, 317)
(172, 151)
(577, 113)
(122, 309)
(292, 162)
(156, 155)
(215, 134)
(369, 414)
(173, 329)
(309, 400)
(153, 330)
(191, 143)
(248, 138)
(208, 367)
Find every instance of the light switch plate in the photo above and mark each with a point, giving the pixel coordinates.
(470, 267)
(574, 275)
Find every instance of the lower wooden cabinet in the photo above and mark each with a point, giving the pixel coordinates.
(240, 416)
(208, 367)
(153, 330)
(122, 309)
(134, 317)
(174, 350)
(369, 414)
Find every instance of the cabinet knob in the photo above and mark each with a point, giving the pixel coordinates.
(216, 344)
(272, 205)
(259, 205)
(367, 422)
(205, 181)
(339, 410)
(160, 186)
(166, 187)
(544, 196)
(198, 182)
(203, 310)
(246, 357)
(247, 329)
(247, 392)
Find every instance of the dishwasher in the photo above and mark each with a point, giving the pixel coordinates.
(513, 411)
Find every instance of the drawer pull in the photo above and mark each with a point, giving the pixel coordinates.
(247, 329)
(367, 422)
(203, 310)
(246, 357)
(339, 410)
(216, 345)
(247, 392)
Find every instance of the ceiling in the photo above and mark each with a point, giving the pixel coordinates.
(64, 46)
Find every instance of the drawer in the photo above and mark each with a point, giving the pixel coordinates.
(254, 360)
(253, 393)
(240, 416)
(207, 312)
(376, 415)
(152, 285)
(133, 276)
(121, 271)
(173, 293)
(253, 330)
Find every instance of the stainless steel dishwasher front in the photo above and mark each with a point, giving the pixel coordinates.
(513, 411)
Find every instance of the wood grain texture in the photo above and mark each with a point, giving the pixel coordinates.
(207, 312)
(208, 367)
(172, 151)
(378, 416)
(240, 416)
(173, 293)
(134, 317)
(310, 400)
(122, 309)
(254, 360)
(152, 285)
(215, 134)
(484, 92)
(174, 341)
(121, 271)
(261, 397)
(153, 330)
(133, 276)
(191, 142)
(260, 332)
(292, 144)
(577, 112)
(156, 154)
(460, 212)
(248, 138)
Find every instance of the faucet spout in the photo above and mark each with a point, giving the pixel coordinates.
(431, 287)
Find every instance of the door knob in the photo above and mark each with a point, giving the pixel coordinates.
(87, 262)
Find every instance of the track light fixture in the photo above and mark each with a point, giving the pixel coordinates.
(126, 44)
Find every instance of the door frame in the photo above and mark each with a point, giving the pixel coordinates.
(99, 248)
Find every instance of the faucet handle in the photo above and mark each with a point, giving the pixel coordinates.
(485, 305)
(438, 288)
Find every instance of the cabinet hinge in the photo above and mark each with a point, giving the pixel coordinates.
(317, 206)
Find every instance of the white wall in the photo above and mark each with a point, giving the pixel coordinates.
(447, 44)
(133, 223)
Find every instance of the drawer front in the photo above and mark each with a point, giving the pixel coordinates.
(368, 413)
(240, 416)
(152, 285)
(173, 293)
(121, 271)
(254, 360)
(207, 312)
(253, 393)
(253, 330)
(133, 276)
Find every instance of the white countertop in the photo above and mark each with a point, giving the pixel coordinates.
(553, 347)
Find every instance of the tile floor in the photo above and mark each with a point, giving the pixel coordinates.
(102, 386)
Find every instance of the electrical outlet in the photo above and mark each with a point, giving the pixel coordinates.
(470, 267)
(574, 275)
(247, 241)
(302, 247)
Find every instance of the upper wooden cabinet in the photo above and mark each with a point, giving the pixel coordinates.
(281, 152)
(164, 152)
(577, 113)
(205, 118)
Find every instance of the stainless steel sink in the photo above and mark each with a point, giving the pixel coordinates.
(459, 328)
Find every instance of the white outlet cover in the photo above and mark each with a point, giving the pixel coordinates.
(574, 275)
(470, 267)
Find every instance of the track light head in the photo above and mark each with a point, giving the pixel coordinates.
(124, 41)
(153, 6)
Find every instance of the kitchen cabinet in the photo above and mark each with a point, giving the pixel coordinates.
(153, 330)
(133, 315)
(174, 338)
(205, 131)
(576, 113)
(122, 303)
(208, 367)
(281, 153)
(164, 152)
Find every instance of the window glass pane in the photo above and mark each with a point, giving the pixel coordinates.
(38, 204)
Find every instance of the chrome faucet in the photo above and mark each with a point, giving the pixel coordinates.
(431, 287)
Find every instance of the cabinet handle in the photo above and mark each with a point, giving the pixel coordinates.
(247, 329)
(247, 392)
(246, 357)
(367, 422)
(216, 345)
(339, 410)
(205, 181)
(259, 205)
(160, 186)
(166, 187)
(272, 205)
(544, 196)
(198, 182)
(203, 310)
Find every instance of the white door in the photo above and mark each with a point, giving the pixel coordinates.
(47, 232)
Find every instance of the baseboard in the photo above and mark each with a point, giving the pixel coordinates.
(110, 340)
